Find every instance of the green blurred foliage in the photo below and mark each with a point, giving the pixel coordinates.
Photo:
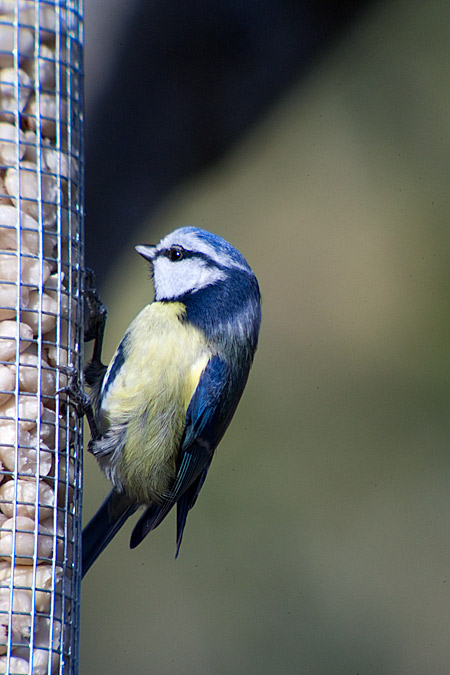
(320, 543)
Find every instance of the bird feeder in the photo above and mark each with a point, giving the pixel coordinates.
(41, 321)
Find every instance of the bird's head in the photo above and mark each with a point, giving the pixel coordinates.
(189, 260)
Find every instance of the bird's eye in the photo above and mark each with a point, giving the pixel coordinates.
(175, 253)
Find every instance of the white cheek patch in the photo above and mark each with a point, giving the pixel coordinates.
(173, 279)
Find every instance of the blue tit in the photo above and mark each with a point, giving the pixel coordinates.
(168, 395)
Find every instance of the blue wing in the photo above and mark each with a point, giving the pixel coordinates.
(208, 415)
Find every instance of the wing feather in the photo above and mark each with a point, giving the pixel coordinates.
(206, 421)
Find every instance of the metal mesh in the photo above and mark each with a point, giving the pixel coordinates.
(41, 256)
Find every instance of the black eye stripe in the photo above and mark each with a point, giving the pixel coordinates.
(177, 252)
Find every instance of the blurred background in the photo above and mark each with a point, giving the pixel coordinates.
(316, 139)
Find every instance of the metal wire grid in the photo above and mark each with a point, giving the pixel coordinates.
(41, 264)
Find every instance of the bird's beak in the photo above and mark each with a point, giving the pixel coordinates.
(147, 252)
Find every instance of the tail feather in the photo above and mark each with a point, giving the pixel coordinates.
(101, 529)
(150, 519)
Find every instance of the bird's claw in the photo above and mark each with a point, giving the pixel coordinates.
(77, 397)
(97, 310)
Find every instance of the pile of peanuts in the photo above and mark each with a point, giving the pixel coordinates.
(36, 340)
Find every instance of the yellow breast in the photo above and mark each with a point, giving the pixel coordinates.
(164, 358)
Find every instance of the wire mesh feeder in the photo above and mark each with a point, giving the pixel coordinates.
(41, 257)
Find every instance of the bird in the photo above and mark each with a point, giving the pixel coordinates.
(163, 404)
